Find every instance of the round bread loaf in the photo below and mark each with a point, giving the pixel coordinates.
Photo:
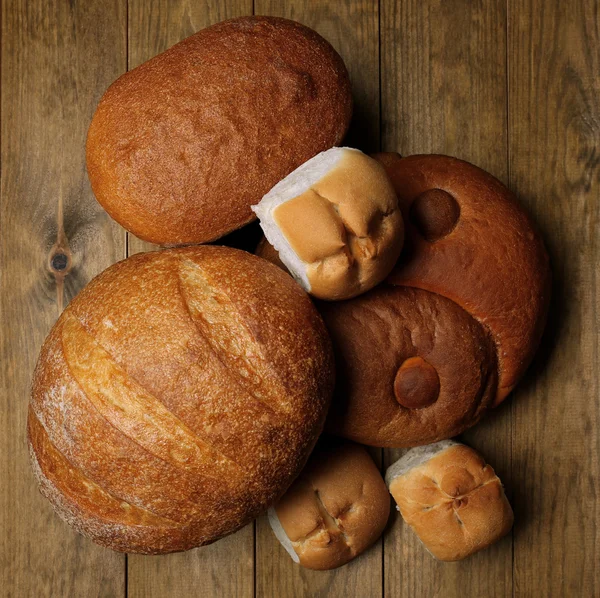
(468, 239)
(178, 396)
(181, 146)
(335, 223)
(453, 501)
(456, 323)
(414, 367)
(335, 510)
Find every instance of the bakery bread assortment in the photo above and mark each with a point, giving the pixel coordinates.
(181, 393)
(451, 499)
(422, 357)
(335, 510)
(335, 223)
(177, 397)
(468, 239)
(181, 146)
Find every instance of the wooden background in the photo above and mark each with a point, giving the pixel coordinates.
(512, 86)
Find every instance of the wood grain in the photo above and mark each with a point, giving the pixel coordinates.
(225, 568)
(554, 133)
(443, 82)
(57, 59)
(352, 27)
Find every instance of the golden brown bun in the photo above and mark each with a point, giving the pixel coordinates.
(453, 501)
(335, 510)
(335, 223)
(468, 239)
(177, 397)
(181, 147)
(480, 283)
(413, 367)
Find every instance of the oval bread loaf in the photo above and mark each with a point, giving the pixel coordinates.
(447, 336)
(178, 396)
(181, 146)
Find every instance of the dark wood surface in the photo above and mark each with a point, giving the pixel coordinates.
(443, 86)
(512, 86)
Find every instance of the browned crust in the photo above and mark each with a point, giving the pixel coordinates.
(374, 334)
(201, 423)
(454, 502)
(336, 509)
(180, 147)
(493, 263)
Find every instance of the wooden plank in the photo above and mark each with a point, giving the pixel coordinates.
(352, 27)
(57, 59)
(443, 77)
(225, 568)
(554, 136)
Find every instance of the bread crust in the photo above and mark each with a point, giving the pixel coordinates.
(336, 509)
(181, 146)
(374, 335)
(453, 501)
(178, 396)
(493, 263)
(473, 280)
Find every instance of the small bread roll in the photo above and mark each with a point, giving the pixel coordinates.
(454, 502)
(335, 223)
(335, 510)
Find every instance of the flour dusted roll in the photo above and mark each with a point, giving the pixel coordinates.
(180, 147)
(335, 223)
(335, 510)
(451, 498)
(178, 396)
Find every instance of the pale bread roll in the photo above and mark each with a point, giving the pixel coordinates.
(335, 223)
(335, 510)
(451, 498)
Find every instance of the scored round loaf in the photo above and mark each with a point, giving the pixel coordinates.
(451, 498)
(468, 239)
(472, 264)
(335, 510)
(181, 146)
(178, 396)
